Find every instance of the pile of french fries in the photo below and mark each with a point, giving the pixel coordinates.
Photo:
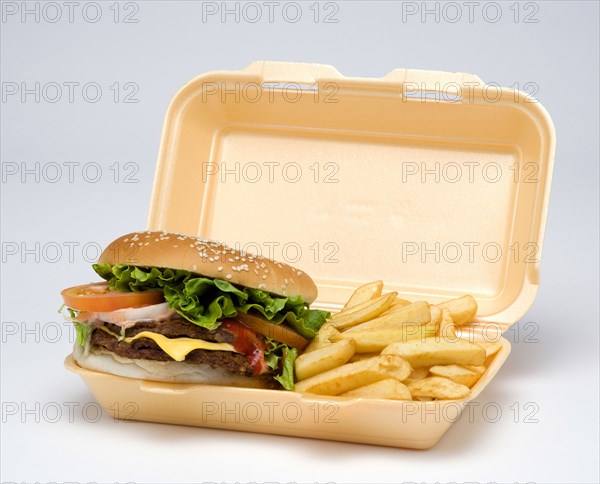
(382, 346)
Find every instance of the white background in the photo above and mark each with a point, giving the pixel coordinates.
(169, 45)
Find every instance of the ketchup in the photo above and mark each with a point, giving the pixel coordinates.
(249, 343)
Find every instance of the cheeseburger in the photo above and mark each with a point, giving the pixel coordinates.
(177, 308)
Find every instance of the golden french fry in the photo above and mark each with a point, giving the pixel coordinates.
(363, 312)
(432, 351)
(323, 359)
(458, 374)
(419, 373)
(414, 313)
(398, 303)
(480, 369)
(322, 338)
(364, 293)
(435, 313)
(491, 348)
(462, 309)
(446, 330)
(438, 387)
(391, 389)
(378, 339)
(362, 356)
(353, 375)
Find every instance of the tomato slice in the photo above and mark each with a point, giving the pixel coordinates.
(97, 297)
(278, 332)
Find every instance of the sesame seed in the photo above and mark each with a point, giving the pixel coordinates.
(228, 276)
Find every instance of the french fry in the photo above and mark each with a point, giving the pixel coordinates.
(383, 346)
(390, 389)
(415, 313)
(363, 312)
(378, 339)
(362, 356)
(480, 369)
(432, 351)
(438, 387)
(364, 293)
(458, 374)
(323, 359)
(491, 347)
(398, 303)
(419, 373)
(354, 375)
(435, 313)
(322, 338)
(462, 309)
(446, 330)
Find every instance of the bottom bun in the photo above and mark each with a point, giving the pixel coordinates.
(165, 371)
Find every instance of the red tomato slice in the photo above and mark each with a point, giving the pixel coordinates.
(278, 332)
(98, 298)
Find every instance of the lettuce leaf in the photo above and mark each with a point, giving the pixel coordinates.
(204, 301)
(81, 333)
(279, 351)
(287, 375)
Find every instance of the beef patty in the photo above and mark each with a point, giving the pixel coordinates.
(147, 349)
(176, 328)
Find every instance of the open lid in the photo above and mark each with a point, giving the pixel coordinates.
(431, 181)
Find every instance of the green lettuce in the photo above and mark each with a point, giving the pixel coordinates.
(287, 375)
(205, 302)
(279, 351)
(81, 333)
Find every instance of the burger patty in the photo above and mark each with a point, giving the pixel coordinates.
(147, 349)
(176, 328)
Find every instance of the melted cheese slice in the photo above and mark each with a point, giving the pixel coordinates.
(176, 348)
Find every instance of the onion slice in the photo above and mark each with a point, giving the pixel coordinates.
(129, 316)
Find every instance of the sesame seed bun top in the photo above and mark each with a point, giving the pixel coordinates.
(211, 259)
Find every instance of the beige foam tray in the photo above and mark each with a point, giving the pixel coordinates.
(369, 130)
